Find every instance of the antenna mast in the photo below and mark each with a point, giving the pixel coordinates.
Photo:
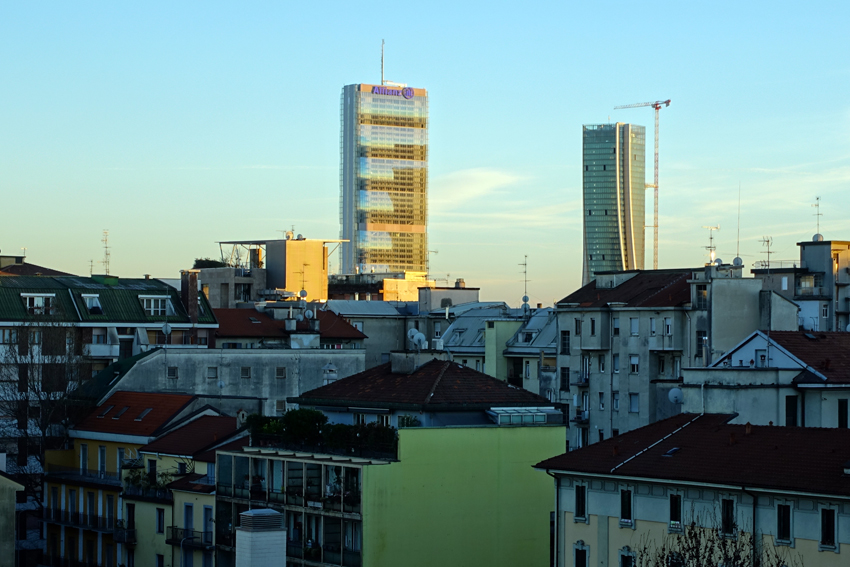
(738, 243)
(711, 247)
(767, 241)
(382, 63)
(105, 260)
(818, 214)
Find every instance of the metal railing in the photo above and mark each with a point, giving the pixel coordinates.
(94, 474)
(188, 538)
(125, 535)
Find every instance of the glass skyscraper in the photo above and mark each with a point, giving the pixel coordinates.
(613, 182)
(384, 179)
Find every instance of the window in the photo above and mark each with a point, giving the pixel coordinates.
(702, 342)
(827, 528)
(675, 512)
(181, 468)
(121, 454)
(824, 311)
(727, 516)
(580, 556)
(660, 364)
(581, 502)
(652, 326)
(592, 327)
(437, 329)
(601, 400)
(157, 306)
(172, 372)
(93, 304)
(84, 456)
(616, 326)
(565, 342)
(280, 373)
(633, 326)
(791, 411)
(160, 520)
(615, 362)
(98, 336)
(842, 413)
(384, 419)
(634, 363)
(526, 337)
(615, 432)
(601, 363)
(668, 326)
(8, 336)
(578, 327)
(359, 419)
(527, 369)
(615, 401)
(245, 372)
(101, 459)
(701, 300)
(783, 523)
(212, 372)
(160, 560)
(626, 508)
(478, 365)
(565, 378)
(634, 403)
(627, 557)
(784, 283)
(358, 325)
(38, 304)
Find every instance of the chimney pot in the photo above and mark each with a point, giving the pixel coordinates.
(731, 439)
(749, 428)
(616, 450)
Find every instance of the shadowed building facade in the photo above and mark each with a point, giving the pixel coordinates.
(384, 179)
(613, 182)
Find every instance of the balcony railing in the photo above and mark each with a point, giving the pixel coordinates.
(581, 417)
(125, 535)
(57, 561)
(188, 538)
(74, 518)
(814, 291)
(131, 491)
(582, 380)
(97, 475)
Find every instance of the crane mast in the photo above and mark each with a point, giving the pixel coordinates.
(654, 185)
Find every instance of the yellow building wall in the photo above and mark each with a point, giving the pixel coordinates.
(198, 501)
(149, 543)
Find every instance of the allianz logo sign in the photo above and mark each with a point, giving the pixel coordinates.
(406, 92)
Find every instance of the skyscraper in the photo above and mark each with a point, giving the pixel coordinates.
(613, 182)
(384, 179)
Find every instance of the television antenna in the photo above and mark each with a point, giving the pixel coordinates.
(818, 214)
(106, 254)
(767, 241)
(711, 247)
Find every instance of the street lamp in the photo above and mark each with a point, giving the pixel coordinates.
(183, 553)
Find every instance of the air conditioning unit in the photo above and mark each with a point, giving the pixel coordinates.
(438, 344)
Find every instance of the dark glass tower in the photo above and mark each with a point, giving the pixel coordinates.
(613, 183)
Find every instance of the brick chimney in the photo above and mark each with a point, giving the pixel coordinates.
(189, 293)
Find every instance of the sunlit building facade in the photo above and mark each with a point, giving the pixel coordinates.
(613, 181)
(384, 179)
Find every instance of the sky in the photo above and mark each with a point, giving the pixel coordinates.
(178, 125)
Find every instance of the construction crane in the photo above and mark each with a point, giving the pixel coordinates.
(657, 106)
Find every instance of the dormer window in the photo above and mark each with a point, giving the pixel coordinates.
(156, 305)
(39, 303)
(93, 304)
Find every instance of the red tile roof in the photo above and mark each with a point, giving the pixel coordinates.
(162, 408)
(252, 323)
(191, 484)
(436, 385)
(804, 459)
(828, 353)
(235, 445)
(651, 288)
(194, 437)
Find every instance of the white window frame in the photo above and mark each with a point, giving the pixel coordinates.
(630, 522)
(821, 546)
(626, 551)
(36, 307)
(668, 326)
(635, 396)
(585, 519)
(634, 364)
(156, 305)
(580, 545)
(615, 401)
(602, 401)
(652, 330)
(437, 329)
(92, 300)
(634, 326)
(670, 527)
(790, 541)
(615, 362)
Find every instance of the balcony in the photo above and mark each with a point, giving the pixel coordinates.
(188, 538)
(329, 554)
(132, 492)
(124, 535)
(78, 519)
(811, 291)
(85, 475)
(102, 350)
(581, 417)
(582, 380)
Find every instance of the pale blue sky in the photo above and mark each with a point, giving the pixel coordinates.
(175, 125)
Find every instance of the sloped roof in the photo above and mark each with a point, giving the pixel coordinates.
(194, 437)
(543, 324)
(800, 459)
(190, 483)
(435, 386)
(352, 308)
(235, 445)
(464, 331)
(828, 353)
(160, 408)
(650, 288)
(251, 323)
(26, 269)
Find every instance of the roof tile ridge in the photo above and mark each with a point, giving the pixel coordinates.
(669, 284)
(437, 381)
(639, 453)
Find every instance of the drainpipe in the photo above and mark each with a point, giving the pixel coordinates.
(557, 516)
(688, 336)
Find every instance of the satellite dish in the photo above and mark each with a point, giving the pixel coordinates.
(166, 329)
(525, 299)
(308, 314)
(221, 384)
(299, 317)
(718, 262)
(817, 238)
(675, 396)
(302, 293)
(737, 261)
(419, 340)
(411, 333)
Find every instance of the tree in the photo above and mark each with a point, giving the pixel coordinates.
(41, 364)
(207, 263)
(707, 543)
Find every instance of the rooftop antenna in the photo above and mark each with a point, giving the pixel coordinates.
(382, 63)
(105, 260)
(711, 247)
(91, 267)
(767, 241)
(818, 214)
(524, 284)
(24, 248)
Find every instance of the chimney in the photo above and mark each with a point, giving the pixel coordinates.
(260, 538)
(731, 439)
(748, 429)
(189, 293)
(460, 284)
(616, 450)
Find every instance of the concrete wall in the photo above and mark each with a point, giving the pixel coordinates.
(8, 489)
(445, 504)
(303, 372)
(211, 280)
(494, 345)
(294, 265)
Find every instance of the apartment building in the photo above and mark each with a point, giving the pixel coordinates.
(624, 339)
(698, 478)
(455, 486)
